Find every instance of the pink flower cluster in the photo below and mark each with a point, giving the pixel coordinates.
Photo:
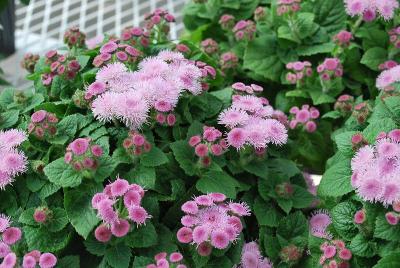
(162, 260)
(119, 203)
(210, 142)
(136, 144)
(344, 104)
(82, 154)
(29, 61)
(128, 96)
(343, 38)
(394, 35)
(249, 120)
(330, 68)
(244, 29)
(182, 48)
(135, 36)
(335, 255)
(243, 89)
(43, 124)
(252, 258)
(62, 65)
(288, 6)
(305, 117)
(209, 46)
(160, 18)
(319, 222)
(388, 78)
(376, 169)
(389, 64)
(74, 38)
(210, 221)
(228, 61)
(12, 161)
(298, 70)
(114, 51)
(369, 8)
(9, 237)
(227, 21)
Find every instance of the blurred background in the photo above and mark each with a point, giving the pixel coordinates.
(38, 25)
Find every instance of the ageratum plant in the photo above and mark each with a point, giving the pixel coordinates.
(136, 151)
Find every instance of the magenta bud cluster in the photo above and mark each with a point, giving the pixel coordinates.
(304, 117)
(43, 124)
(73, 37)
(210, 143)
(228, 61)
(330, 69)
(83, 155)
(242, 88)
(119, 206)
(29, 61)
(298, 71)
(160, 18)
(344, 104)
(211, 221)
(62, 65)
(361, 111)
(136, 144)
(42, 215)
(343, 38)
(227, 21)
(389, 64)
(259, 13)
(244, 30)
(162, 259)
(182, 48)
(394, 37)
(288, 7)
(209, 46)
(335, 254)
(135, 36)
(114, 51)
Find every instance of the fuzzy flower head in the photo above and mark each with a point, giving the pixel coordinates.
(209, 46)
(244, 30)
(212, 221)
(117, 219)
(389, 64)
(387, 80)
(343, 38)
(12, 161)
(370, 8)
(83, 155)
(304, 117)
(319, 222)
(251, 257)
(298, 71)
(376, 169)
(163, 259)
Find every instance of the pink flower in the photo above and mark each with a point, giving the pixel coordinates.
(204, 200)
(47, 260)
(4, 222)
(392, 218)
(219, 239)
(319, 222)
(138, 214)
(108, 47)
(96, 150)
(132, 198)
(359, 217)
(184, 235)
(240, 209)
(11, 235)
(345, 254)
(38, 116)
(40, 215)
(233, 117)
(193, 141)
(9, 261)
(79, 146)
(120, 227)
(28, 262)
(190, 207)
(204, 249)
(237, 138)
(4, 249)
(119, 187)
(201, 150)
(175, 257)
(329, 252)
(102, 233)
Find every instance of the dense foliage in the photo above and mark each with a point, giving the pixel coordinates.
(136, 151)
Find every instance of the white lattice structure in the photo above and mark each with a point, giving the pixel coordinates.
(40, 25)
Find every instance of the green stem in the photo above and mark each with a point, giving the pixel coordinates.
(357, 25)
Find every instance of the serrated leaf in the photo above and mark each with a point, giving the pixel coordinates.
(386, 231)
(336, 180)
(362, 246)
(62, 174)
(144, 176)
(8, 119)
(392, 260)
(77, 203)
(218, 182)
(105, 169)
(343, 219)
(344, 144)
(95, 247)
(118, 256)
(142, 237)
(185, 157)
(373, 57)
(266, 213)
(154, 158)
(293, 225)
(43, 240)
(301, 197)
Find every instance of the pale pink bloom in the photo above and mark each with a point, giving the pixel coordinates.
(138, 214)
(119, 187)
(319, 222)
(120, 227)
(9, 261)
(237, 137)
(11, 138)
(232, 117)
(359, 217)
(47, 260)
(11, 235)
(102, 233)
(4, 249)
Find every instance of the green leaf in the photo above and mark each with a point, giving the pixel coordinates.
(315, 49)
(285, 204)
(144, 176)
(184, 155)
(77, 203)
(258, 167)
(34, 101)
(332, 114)
(83, 60)
(329, 15)
(301, 197)
(374, 128)
(62, 174)
(343, 142)
(336, 180)
(142, 262)
(392, 260)
(304, 24)
(386, 231)
(118, 256)
(8, 119)
(7, 97)
(283, 167)
(373, 57)
(260, 58)
(105, 169)
(142, 237)
(393, 104)
(343, 219)
(293, 225)
(154, 158)
(218, 181)
(95, 247)
(362, 246)
(68, 262)
(43, 240)
(266, 213)
(48, 189)
(58, 220)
